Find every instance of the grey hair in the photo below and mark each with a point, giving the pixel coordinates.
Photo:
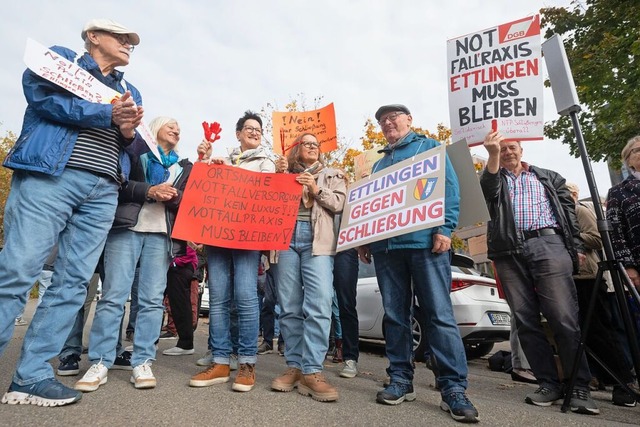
(626, 151)
(157, 123)
(573, 188)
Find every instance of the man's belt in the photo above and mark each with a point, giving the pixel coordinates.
(530, 234)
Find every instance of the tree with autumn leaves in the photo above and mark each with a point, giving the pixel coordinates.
(5, 178)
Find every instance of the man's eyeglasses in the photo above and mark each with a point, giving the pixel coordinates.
(310, 144)
(251, 129)
(123, 39)
(391, 117)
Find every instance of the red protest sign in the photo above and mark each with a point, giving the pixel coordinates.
(234, 208)
(288, 125)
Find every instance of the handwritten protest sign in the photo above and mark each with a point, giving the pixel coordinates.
(57, 69)
(495, 82)
(234, 208)
(287, 126)
(363, 163)
(406, 197)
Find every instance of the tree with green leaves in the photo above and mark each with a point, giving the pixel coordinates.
(602, 41)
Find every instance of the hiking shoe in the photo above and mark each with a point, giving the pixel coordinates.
(215, 374)
(582, 403)
(233, 362)
(206, 360)
(396, 393)
(265, 348)
(69, 365)
(621, 397)
(47, 392)
(459, 407)
(177, 351)
(281, 348)
(287, 381)
(350, 369)
(168, 335)
(142, 376)
(316, 386)
(123, 362)
(93, 378)
(246, 377)
(544, 396)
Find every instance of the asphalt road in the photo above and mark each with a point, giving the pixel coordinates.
(498, 399)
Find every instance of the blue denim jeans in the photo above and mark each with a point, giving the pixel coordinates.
(539, 281)
(305, 288)
(121, 254)
(76, 210)
(233, 276)
(431, 277)
(345, 282)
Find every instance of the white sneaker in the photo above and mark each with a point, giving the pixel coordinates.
(177, 351)
(93, 378)
(233, 362)
(205, 360)
(350, 369)
(142, 376)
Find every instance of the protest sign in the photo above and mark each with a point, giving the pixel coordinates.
(58, 70)
(234, 208)
(495, 82)
(287, 126)
(405, 197)
(363, 163)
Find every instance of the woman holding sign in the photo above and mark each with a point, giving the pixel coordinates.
(141, 233)
(233, 273)
(304, 273)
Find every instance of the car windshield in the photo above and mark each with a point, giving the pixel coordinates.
(465, 270)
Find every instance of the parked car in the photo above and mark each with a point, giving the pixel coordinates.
(204, 298)
(482, 315)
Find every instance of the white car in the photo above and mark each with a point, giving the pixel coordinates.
(482, 315)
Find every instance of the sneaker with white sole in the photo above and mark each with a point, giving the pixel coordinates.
(206, 360)
(142, 376)
(93, 378)
(49, 392)
(177, 351)
(350, 369)
(69, 365)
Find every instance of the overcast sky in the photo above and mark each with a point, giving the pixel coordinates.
(212, 60)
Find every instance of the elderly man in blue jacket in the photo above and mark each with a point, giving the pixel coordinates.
(421, 258)
(64, 190)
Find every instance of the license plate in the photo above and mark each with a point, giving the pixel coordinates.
(500, 319)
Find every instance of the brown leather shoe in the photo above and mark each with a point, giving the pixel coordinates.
(215, 374)
(316, 386)
(287, 381)
(246, 378)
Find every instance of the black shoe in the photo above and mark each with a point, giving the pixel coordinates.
(621, 397)
(69, 365)
(265, 348)
(168, 335)
(123, 362)
(281, 348)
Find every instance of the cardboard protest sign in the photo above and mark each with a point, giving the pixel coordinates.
(363, 163)
(406, 197)
(495, 82)
(234, 208)
(54, 67)
(287, 126)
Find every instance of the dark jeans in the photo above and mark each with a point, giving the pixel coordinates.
(539, 281)
(179, 293)
(345, 282)
(133, 305)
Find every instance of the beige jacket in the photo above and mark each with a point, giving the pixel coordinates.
(592, 241)
(328, 202)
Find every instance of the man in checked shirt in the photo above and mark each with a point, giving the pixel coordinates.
(533, 239)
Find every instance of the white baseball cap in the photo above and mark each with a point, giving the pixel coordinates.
(110, 26)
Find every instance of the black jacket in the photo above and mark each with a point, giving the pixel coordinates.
(502, 236)
(134, 194)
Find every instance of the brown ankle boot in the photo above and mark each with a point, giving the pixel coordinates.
(287, 381)
(316, 386)
(337, 356)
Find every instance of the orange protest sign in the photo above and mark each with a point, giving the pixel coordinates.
(287, 126)
(234, 208)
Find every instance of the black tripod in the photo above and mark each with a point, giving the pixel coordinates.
(618, 275)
